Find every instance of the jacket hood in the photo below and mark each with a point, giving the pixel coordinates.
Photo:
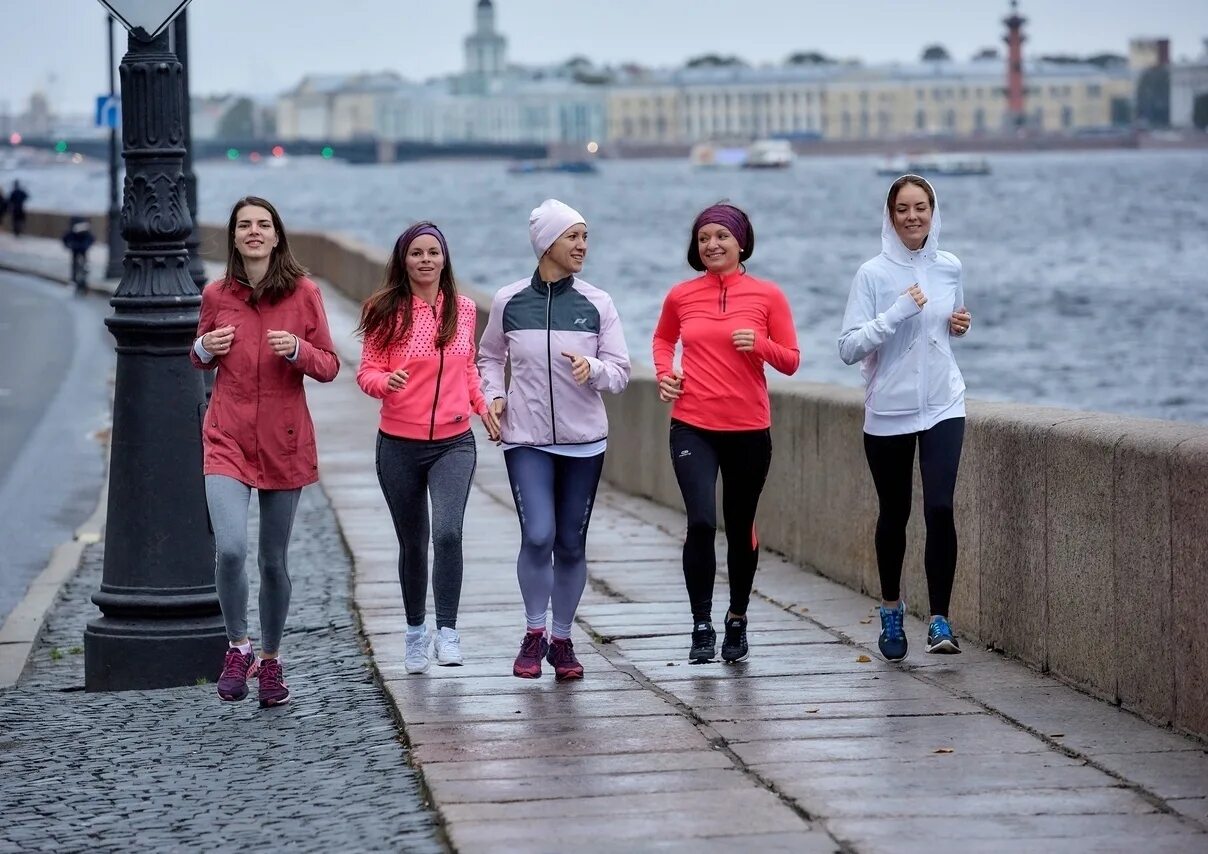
(892, 246)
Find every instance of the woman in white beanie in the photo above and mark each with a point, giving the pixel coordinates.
(563, 340)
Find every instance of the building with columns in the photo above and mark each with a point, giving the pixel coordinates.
(486, 53)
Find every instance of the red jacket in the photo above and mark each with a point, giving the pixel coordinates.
(442, 385)
(257, 428)
(725, 389)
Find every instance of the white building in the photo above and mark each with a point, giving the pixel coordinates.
(335, 107)
(1188, 81)
(486, 53)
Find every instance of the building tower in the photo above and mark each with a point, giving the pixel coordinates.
(1014, 39)
(486, 51)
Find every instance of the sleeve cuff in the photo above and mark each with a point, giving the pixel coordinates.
(293, 357)
(202, 353)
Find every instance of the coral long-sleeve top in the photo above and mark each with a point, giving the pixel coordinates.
(724, 388)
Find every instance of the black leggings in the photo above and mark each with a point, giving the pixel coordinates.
(743, 457)
(891, 458)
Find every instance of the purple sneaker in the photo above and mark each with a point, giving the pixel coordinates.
(532, 648)
(562, 656)
(273, 690)
(237, 668)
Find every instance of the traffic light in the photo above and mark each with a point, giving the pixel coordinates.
(327, 152)
(232, 154)
(61, 146)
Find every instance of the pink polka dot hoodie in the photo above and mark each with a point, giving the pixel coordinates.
(442, 389)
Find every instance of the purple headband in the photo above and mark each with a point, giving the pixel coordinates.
(726, 215)
(408, 237)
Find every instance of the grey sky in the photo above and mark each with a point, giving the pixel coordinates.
(264, 47)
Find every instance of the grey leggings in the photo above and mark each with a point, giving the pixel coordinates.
(410, 470)
(228, 502)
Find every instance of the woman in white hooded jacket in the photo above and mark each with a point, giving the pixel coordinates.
(904, 306)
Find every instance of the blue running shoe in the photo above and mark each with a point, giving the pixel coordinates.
(892, 641)
(940, 638)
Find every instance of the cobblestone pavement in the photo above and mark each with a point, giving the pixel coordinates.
(175, 769)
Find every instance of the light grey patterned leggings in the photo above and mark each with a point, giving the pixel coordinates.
(228, 502)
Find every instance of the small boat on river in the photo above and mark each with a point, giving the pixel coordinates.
(531, 167)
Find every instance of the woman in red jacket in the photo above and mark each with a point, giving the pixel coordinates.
(263, 327)
(730, 324)
(418, 359)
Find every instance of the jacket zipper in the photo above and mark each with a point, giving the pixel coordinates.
(549, 360)
(439, 372)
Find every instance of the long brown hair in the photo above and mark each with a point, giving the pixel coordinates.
(380, 321)
(283, 268)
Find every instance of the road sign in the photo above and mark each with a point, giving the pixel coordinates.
(108, 111)
(145, 19)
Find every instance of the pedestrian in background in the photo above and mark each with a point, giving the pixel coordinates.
(16, 203)
(730, 325)
(79, 239)
(418, 359)
(264, 328)
(3, 206)
(563, 340)
(904, 307)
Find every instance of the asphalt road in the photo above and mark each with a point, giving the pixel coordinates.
(56, 368)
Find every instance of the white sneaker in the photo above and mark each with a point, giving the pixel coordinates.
(447, 646)
(416, 660)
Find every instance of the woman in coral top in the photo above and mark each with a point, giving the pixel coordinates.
(418, 359)
(730, 325)
(263, 327)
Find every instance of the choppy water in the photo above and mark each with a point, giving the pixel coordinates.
(1086, 273)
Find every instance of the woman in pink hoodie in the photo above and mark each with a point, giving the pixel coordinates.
(418, 359)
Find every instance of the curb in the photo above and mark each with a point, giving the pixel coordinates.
(9, 267)
(24, 625)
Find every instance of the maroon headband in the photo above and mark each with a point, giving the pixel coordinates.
(725, 215)
(408, 237)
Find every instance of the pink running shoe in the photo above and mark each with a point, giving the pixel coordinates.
(562, 656)
(273, 690)
(237, 668)
(532, 649)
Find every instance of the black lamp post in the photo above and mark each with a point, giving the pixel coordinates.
(117, 246)
(161, 623)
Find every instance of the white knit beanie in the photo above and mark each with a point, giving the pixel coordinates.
(548, 222)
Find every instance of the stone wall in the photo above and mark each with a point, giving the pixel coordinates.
(1084, 536)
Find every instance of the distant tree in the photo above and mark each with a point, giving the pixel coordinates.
(1107, 60)
(986, 53)
(809, 57)
(1199, 112)
(936, 53)
(239, 121)
(1062, 59)
(713, 60)
(1153, 97)
(1122, 112)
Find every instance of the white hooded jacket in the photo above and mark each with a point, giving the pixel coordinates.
(911, 380)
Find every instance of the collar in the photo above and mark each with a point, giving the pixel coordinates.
(727, 280)
(559, 287)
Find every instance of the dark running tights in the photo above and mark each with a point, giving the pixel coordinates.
(743, 458)
(891, 460)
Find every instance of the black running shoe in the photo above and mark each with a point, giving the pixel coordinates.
(704, 643)
(734, 646)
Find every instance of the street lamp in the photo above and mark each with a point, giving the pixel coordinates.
(113, 228)
(161, 625)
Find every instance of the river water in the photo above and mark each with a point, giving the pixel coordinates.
(1086, 272)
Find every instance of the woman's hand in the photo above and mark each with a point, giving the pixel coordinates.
(744, 340)
(217, 342)
(580, 368)
(671, 387)
(960, 321)
(916, 294)
(490, 420)
(284, 344)
(495, 414)
(397, 380)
